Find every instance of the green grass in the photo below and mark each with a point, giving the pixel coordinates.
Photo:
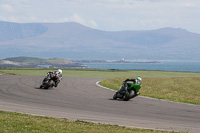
(23, 123)
(178, 89)
(95, 73)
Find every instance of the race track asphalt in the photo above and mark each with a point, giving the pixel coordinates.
(81, 99)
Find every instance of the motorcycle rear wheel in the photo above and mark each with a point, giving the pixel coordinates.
(49, 85)
(131, 94)
(46, 87)
(128, 95)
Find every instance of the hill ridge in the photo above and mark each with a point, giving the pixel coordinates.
(71, 40)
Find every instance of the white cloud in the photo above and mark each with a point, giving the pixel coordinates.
(189, 5)
(78, 19)
(7, 8)
(93, 24)
(74, 18)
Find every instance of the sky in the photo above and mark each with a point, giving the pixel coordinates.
(107, 15)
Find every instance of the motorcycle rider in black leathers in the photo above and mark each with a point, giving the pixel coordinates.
(123, 89)
(56, 76)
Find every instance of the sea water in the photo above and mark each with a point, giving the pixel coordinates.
(161, 66)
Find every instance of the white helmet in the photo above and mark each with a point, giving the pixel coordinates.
(139, 78)
(59, 71)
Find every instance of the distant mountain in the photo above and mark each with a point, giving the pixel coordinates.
(11, 63)
(38, 62)
(33, 60)
(74, 41)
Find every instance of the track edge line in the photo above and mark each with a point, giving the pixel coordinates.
(97, 83)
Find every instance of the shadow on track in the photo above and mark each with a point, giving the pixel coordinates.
(43, 88)
(118, 100)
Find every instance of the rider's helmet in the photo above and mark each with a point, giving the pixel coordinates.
(139, 78)
(59, 71)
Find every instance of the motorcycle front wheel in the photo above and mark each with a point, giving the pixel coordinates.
(115, 96)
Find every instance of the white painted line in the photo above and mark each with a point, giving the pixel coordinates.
(97, 83)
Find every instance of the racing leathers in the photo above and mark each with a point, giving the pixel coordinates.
(125, 85)
(56, 77)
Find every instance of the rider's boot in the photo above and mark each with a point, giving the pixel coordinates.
(137, 93)
(56, 83)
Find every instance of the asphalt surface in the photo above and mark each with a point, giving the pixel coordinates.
(82, 99)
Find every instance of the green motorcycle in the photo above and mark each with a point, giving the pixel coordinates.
(131, 91)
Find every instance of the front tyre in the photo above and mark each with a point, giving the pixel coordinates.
(115, 96)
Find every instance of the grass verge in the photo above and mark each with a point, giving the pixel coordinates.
(181, 89)
(96, 73)
(23, 123)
